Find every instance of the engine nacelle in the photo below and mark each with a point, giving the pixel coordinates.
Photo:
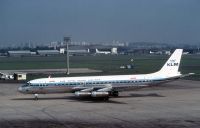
(82, 94)
(99, 94)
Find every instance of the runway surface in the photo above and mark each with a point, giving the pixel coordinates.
(172, 105)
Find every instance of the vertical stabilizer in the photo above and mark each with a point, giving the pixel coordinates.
(172, 65)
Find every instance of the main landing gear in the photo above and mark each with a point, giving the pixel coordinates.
(114, 93)
(106, 98)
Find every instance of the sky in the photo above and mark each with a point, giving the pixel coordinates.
(41, 21)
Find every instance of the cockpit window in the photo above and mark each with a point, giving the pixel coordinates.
(26, 85)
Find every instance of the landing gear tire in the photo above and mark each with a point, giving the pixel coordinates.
(115, 93)
(106, 98)
(36, 96)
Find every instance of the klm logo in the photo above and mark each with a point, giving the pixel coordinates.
(172, 63)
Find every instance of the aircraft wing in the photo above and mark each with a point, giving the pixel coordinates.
(102, 88)
(102, 91)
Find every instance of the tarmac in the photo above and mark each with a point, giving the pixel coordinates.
(172, 105)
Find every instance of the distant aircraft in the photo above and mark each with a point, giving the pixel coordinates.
(105, 86)
(102, 52)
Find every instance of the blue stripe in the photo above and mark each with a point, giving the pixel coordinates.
(97, 82)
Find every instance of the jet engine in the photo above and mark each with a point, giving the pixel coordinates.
(99, 94)
(82, 94)
(92, 94)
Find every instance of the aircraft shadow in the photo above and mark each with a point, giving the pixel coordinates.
(143, 95)
(73, 99)
(41, 98)
(93, 100)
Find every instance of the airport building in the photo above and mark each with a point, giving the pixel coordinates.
(75, 51)
(19, 53)
(47, 52)
(79, 52)
(114, 50)
(62, 50)
(19, 76)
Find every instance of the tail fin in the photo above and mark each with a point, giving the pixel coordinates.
(172, 65)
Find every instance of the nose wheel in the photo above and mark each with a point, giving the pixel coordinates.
(36, 96)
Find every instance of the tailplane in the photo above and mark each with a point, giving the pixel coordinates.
(172, 65)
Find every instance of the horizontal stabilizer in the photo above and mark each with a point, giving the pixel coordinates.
(189, 74)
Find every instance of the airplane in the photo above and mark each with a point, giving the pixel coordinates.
(105, 86)
(102, 52)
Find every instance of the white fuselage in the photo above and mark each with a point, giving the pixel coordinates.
(73, 84)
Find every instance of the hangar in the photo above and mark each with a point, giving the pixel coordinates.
(47, 52)
(19, 53)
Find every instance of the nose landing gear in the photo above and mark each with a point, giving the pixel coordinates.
(36, 96)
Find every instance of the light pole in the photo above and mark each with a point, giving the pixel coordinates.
(67, 59)
(67, 40)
